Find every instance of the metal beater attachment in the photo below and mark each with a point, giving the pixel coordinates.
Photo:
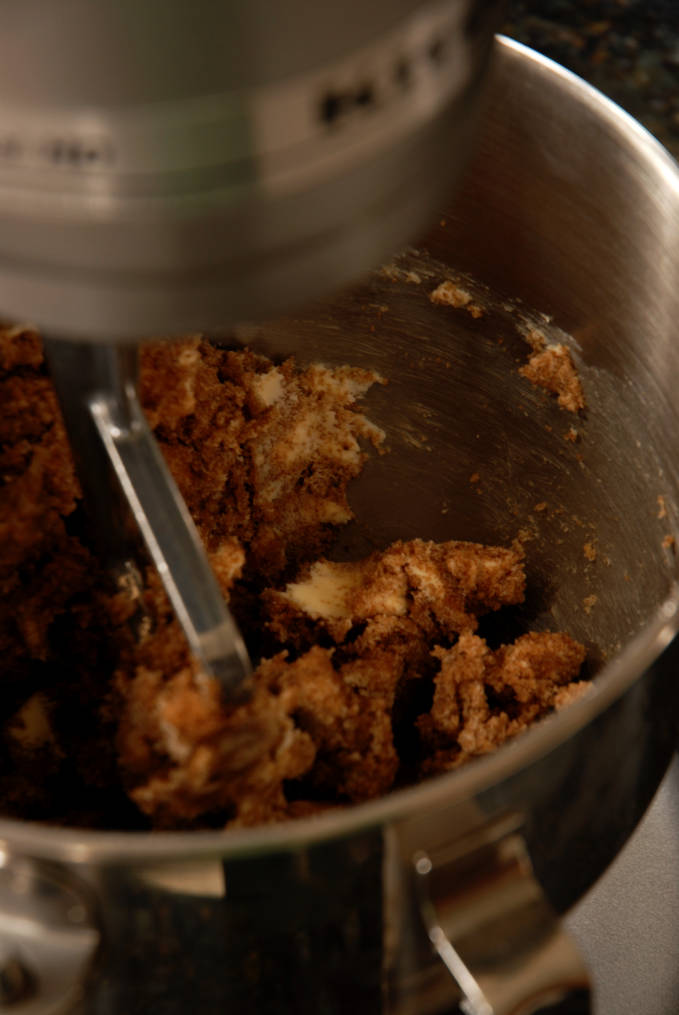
(126, 483)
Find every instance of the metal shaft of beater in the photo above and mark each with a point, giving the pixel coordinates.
(117, 454)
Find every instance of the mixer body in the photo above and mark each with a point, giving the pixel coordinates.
(174, 166)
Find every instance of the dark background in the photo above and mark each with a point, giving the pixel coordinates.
(629, 49)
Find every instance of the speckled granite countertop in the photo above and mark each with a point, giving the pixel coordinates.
(629, 49)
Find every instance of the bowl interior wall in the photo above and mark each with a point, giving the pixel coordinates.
(562, 223)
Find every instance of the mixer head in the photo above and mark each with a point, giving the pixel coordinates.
(169, 166)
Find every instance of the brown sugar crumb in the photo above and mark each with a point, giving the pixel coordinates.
(483, 697)
(571, 435)
(669, 542)
(20, 347)
(277, 445)
(536, 339)
(551, 367)
(185, 754)
(448, 294)
(394, 273)
(662, 507)
(109, 722)
(440, 587)
(589, 602)
(590, 551)
(571, 692)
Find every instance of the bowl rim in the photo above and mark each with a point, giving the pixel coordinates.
(75, 845)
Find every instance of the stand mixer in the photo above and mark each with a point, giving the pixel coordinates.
(167, 167)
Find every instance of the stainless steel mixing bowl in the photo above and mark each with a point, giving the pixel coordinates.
(570, 211)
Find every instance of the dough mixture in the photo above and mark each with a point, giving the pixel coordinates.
(373, 673)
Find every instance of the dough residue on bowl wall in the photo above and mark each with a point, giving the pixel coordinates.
(551, 367)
